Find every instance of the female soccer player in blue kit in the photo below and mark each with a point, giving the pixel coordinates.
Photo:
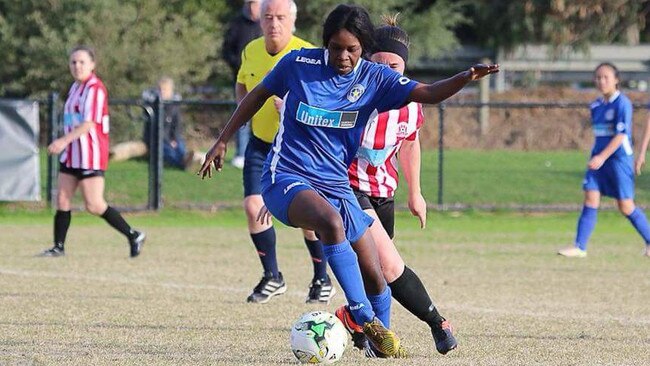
(610, 169)
(329, 95)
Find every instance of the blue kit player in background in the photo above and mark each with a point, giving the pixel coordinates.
(610, 168)
(329, 95)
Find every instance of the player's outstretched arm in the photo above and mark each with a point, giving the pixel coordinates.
(443, 89)
(247, 108)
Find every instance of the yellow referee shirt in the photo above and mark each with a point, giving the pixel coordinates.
(256, 63)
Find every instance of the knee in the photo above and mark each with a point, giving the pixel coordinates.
(252, 208)
(330, 223)
(392, 270)
(626, 207)
(63, 202)
(592, 202)
(96, 208)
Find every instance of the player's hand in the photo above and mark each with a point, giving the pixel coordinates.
(56, 146)
(418, 207)
(639, 163)
(480, 70)
(264, 216)
(596, 162)
(215, 157)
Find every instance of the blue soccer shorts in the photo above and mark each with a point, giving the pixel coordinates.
(614, 179)
(279, 194)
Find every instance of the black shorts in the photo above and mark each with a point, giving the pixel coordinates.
(384, 207)
(256, 152)
(80, 174)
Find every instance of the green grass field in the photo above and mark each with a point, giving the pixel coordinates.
(499, 178)
(182, 302)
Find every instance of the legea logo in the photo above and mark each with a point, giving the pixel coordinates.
(292, 185)
(311, 61)
(318, 117)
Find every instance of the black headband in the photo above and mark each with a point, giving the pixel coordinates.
(393, 46)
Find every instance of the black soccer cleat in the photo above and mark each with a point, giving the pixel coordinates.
(320, 291)
(55, 251)
(267, 288)
(136, 242)
(444, 337)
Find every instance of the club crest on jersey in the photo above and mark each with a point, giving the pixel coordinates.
(318, 117)
(402, 129)
(609, 114)
(356, 92)
(311, 61)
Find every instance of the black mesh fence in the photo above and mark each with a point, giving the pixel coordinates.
(524, 156)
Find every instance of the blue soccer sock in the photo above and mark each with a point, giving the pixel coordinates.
(265, 245)
(586, 225)
(640, 223)
(315, 248)
(381, 305)
(343, 261)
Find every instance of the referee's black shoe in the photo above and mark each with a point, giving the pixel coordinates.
(56, 251)
(268, 287)
(136, 242)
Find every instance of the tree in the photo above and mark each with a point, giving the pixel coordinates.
(136, 42)
(430, 24)
(560, 23)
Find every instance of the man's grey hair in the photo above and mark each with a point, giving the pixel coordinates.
(293, 8)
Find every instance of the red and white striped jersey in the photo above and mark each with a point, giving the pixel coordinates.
(87, 101)
(374, 169)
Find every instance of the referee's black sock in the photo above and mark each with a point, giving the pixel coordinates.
(318, 260)
(61, 224)
(409, 291)
(113, 217)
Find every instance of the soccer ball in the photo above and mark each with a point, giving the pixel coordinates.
(318, 337)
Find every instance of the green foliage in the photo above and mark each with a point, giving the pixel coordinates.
(560, 23)
(136, 42)
(429, 24)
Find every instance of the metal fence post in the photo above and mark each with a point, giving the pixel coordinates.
(441, 140)
(156, 131)
(53, 117)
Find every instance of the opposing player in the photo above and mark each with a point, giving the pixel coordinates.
(84, 154)
(258, 58)
(610, 169)
(329, 95)
(389, 137)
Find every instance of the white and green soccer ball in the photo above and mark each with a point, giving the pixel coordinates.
(318, 337)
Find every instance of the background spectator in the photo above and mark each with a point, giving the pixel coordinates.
(244, 28)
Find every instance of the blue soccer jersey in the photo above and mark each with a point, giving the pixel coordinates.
(610, 118)
(324, 115)
(615, 178)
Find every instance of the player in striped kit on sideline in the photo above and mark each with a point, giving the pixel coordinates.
(84, 153)
(391, 137)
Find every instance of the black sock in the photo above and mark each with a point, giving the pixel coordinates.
(61, 224)
(265, 245)
(409, 291)
(315, 248)
(113, 217)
